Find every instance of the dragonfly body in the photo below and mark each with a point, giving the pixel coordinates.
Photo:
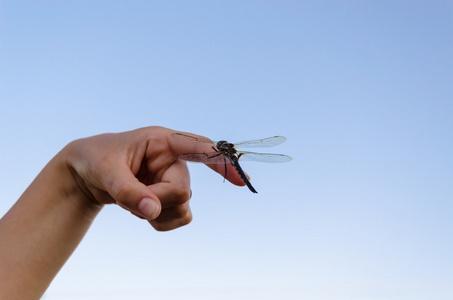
(228, 150)
(225, 152)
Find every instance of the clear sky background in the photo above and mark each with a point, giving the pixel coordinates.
(363, 90)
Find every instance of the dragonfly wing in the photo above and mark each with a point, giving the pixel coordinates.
(206, 158)
(264, 157)
(267, 142)
(187, 137)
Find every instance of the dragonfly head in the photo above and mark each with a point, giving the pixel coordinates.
(221, 144)
(224, 145)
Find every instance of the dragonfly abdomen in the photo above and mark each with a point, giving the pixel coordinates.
(235, 163)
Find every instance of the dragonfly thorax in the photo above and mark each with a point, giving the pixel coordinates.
(226, 148)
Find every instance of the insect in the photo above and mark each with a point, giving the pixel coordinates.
(224, 152)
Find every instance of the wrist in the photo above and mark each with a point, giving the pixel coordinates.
(72, 183)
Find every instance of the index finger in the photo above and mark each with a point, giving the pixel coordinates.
(189, 143)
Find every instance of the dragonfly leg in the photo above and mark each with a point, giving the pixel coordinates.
(224, 177)
(215, 155)
(218, 153)
(224, 160)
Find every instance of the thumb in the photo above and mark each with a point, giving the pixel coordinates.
(129, 193)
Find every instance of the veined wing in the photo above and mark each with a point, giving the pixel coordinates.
(206, 158)
(218, 158)
(259, 143)
(211, 157)
(267, 142)
(192, 138)
(264, 157)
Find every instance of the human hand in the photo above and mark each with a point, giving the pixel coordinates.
(140, 171)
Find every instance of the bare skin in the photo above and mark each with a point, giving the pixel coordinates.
(139, 170)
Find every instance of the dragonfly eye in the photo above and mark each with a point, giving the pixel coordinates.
(221, 144)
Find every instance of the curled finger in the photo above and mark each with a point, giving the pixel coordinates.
(173, 217)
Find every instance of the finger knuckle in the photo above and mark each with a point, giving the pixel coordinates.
(186, 220)
(171, 225)
(180, 211)
(181, 194)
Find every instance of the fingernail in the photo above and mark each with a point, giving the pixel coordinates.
(149, 208)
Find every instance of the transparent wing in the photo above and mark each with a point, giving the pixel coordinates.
(264, 157)
(267, 142)
(179, 135)
(206, 158)
(219, 158)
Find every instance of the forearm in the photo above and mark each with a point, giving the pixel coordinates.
(41, 231)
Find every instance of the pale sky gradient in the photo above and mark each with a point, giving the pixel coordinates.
(363, 90)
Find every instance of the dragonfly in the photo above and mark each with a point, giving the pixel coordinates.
(224, 152)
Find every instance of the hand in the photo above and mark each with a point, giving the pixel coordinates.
(140, 171)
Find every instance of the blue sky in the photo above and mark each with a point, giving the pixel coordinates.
(362, 90)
